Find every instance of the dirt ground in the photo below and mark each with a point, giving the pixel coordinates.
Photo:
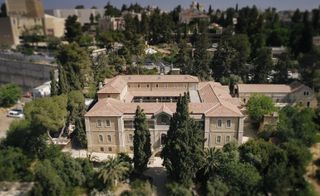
(4, 122)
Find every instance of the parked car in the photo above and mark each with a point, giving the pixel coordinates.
(16, 113)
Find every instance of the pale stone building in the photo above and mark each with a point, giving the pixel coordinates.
(23, 15)
(109, 23)
(109, 123)
(82, 14)
(54, 26)
(281, 94)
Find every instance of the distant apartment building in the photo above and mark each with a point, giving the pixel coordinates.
(195, 11)
(109, 23)
(281, 94)
(109, 123)
(82, 14)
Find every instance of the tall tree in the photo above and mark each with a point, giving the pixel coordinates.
(201, 58)
(263, 65)
(282, 67)
(223, 59)
(183, 150)
(73, 67)
(141, 142)
(73, 29)
(53, 85)
(183, 60)
(110, 10)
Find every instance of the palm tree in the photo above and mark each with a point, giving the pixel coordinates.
(113, 170)
(213, 157)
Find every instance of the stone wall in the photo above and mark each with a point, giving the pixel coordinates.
(27, 75)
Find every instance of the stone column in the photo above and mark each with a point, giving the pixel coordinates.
(240, 130)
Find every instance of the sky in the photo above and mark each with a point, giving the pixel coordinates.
(170, 4)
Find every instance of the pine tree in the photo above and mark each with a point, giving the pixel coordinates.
(183, 151)
(141, 142)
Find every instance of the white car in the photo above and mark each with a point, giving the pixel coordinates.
(15, 113)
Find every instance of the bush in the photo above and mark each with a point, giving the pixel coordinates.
(9, 95)
(175, 189)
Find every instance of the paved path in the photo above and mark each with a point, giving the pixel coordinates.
(159, 176)
(159, 179)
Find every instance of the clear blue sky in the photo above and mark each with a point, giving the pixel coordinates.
(170, 4)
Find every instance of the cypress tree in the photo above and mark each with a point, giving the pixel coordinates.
(79, 134)
(183, 151)
(141, 142)
(53, 85)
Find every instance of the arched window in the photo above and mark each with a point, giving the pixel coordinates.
(163, 119)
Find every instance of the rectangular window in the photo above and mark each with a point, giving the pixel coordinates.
(219, 124)
(130, 138)
(101, 149)
(99, 123)
(151, 124)
(228, 123)
(218, 139)
(228, 138)
(110, 149)
(107, 123)
(100, 138)
(109, 138)
(128, 124)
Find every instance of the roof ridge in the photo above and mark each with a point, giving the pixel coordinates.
(219, 99)
(110, 105)
(213, 107)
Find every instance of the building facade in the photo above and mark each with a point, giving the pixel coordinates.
(109, 123)
(111, 24)
(82, 14)
(281, 94)
(23, 16)
(54, 26)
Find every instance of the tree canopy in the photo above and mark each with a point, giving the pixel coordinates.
(183, 149)
(9, 94)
